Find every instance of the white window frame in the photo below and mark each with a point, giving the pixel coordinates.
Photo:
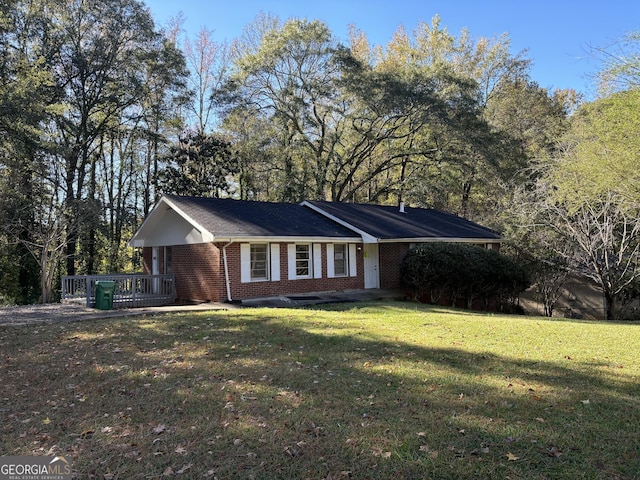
(350, 260)
(304, 263)
(332, 259)
(314, 260)
(272, 251)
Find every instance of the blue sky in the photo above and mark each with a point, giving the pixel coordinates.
(558, 35)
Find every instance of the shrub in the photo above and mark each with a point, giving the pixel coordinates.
(463, 272)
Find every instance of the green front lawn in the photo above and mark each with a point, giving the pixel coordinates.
(378, 390)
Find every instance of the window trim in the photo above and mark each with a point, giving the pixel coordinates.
(267, 272)
(308, 260)
(345, 260)
(351, 269)
(168, 259)
(273, 262)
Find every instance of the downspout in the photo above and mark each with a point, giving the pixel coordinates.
(226, 271)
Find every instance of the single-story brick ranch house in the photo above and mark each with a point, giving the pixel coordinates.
(223, 250)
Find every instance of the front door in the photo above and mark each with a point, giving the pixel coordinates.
(371, 266)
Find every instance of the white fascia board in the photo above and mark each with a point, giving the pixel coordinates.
(207, 236)
(366, 237)
(441, 239)
(155, 216)
(274, 239)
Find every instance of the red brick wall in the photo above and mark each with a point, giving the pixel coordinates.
(146, 260)
(200, 276)
(199, 273)
(285, 286)
(197, 269)
(391, 256)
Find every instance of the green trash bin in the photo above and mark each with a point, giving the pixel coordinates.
(104, 294)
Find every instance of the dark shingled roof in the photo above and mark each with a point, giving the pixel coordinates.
(387, 222)
(225, 217)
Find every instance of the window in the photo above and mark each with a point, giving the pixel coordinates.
(340, 267)
(303, 260)
(168, 259)
(259, 262)
(341, 260)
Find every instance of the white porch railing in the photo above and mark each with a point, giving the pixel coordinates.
(131, 291)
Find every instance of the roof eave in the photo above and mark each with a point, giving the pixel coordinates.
(284, 239)
(440, 239)
(207, 236)
(366, 237)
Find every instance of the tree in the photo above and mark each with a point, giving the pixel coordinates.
(208, 62)
(290, 79)
(605, 232)
(620, 64)
(99, 55)
(199, 164)
(471, 153)
(78, 83)
(26, 103)
(589, 197)
(602, 150)
(346, 130)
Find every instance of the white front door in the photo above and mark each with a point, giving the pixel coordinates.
(371, 266)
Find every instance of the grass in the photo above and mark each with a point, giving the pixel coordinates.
(378, 390)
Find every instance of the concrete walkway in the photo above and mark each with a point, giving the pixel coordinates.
(62, 312)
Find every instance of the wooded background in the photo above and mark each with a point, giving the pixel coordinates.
(101, 112)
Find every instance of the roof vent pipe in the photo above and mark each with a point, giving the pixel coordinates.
(401, 207)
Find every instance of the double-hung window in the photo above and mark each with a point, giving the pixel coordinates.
(340, 259)
(303, 261)
(259, 261)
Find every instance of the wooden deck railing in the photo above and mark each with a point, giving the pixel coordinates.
(130, 291)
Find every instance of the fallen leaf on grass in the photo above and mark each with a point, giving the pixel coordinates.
(554, 452)
(180, 450)
(184, 468)
(586, 402)
(377, 452)
(511, 457)
(427, 450)
(159, 429)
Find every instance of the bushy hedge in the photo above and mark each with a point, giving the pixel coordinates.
(463, 275)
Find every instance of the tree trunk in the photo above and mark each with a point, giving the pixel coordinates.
(610, 306)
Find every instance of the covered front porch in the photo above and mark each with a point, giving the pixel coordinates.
(130, 290)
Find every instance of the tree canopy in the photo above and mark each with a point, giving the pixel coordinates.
(101, 112)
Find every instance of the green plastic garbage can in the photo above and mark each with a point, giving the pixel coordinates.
(104, 294)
